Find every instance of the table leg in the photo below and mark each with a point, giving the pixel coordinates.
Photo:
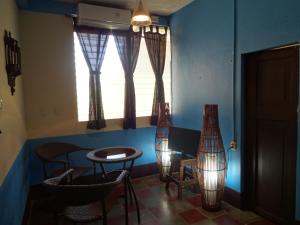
(95, 171)
(130, 168)
(103, 170)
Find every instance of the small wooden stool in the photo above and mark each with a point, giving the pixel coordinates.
(181, 181)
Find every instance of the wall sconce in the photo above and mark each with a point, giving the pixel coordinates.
(163, 153)
(211, 160)
(12, 59)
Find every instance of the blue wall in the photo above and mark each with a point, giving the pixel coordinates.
(142, 139)
(202, 45)
(202, 48)
(14, 190)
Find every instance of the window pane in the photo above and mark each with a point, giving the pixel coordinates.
(167, 71)
(144, 81)
(112, 82)
(82, 82)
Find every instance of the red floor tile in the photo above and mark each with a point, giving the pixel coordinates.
(262, 222)
(144, 193)
(153, 182)
(226, 220)
(161, 213)
(152, 222)
(116, 220)
(171, 194)
(119, 189)
(136, 181)
(192, 216)
(195, 200)
(132, 208)
(227, 207)
(156, 211)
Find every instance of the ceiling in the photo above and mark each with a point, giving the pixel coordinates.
(158, 7)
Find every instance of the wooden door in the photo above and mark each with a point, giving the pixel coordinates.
(271, 82)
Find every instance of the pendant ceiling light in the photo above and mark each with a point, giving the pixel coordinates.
(141, 16)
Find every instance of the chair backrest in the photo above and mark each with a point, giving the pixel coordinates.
(81, 194)
(50, 151)
(184, 140)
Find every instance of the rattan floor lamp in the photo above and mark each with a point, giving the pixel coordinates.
(211, 160)
(163, 153)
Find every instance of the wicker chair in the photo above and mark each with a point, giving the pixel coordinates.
(52, 153)
(84, 203)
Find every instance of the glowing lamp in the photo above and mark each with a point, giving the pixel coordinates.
(211, 160)
(163, 153)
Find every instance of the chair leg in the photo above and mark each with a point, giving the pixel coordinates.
(56, 218)
(104, 212)
(130, 195)
(195, 178)
(136, 201)
(95, 171)
(184, 173)
(168, 180)
(31, 204)
(181, 180)
(126, 200)
(167, 185)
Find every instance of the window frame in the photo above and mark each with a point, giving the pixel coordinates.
(141, 121)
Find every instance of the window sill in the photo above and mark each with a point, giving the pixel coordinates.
(72, 127)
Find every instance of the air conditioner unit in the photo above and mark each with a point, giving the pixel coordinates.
(103, 17)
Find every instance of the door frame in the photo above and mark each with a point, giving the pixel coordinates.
(246, 194)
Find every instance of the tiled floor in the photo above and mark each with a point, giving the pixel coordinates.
(158, 207)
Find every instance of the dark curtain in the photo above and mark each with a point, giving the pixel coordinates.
(156, 46)
(93, 43)
(128, 45)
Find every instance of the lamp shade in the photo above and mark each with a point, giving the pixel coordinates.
(211, 160)
(163, 153)
(141, 16)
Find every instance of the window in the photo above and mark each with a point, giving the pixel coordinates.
(113, 81)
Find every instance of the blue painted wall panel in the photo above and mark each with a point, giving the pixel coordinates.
(14, 190)
(142, 139)
(202, 37)
(48, 6)
(202, 45)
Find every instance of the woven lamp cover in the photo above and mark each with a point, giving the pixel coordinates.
(211, 160)
(163, 153)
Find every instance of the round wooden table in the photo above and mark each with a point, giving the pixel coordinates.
(115, 155)
(118, 155)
